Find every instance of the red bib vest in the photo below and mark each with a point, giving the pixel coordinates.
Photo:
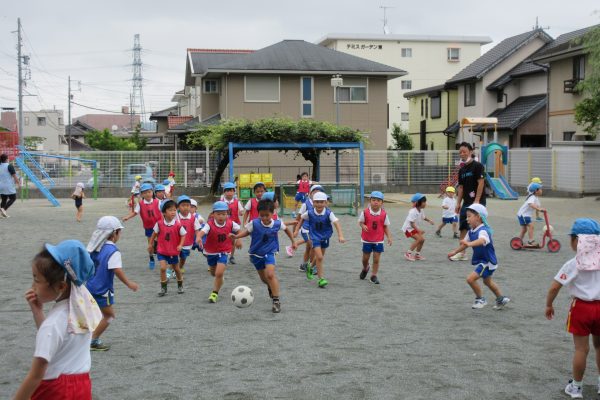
(188, 224)
(149, 213)
(217, 240)
(375, 223)
(253, 208)
(303, 186)
(168, 238)
(234, 211)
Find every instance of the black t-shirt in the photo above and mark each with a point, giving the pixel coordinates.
(468, 175)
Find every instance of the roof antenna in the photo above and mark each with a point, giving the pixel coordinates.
(386, 29)
(537, 25)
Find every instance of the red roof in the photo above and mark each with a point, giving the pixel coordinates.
(107, 121)
(226, 51)
(173, 120)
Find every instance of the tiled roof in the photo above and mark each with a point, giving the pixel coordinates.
(525, 68)
(224, 51)
(106, 121)
(173, 121)
(562, 43)
(518, 111)
(191, 124)
(478, 68)
(452, 128)
(430, 89)
(203, 59)
(171, 111)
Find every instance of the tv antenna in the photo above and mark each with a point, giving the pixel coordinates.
(386, 29)
(537, 25)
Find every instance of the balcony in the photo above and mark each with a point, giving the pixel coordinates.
(570, 85)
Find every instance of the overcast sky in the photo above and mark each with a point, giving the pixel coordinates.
(92, 42)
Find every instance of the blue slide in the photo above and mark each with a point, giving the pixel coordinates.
(33, 178)
(501, 188)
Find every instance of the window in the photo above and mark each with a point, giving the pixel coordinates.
(469, 94)
(426, 108)
(261, 89)
(354, 90)
(41, 121)
(422, 113)
(60, 120)
(436, 107)
(404, 116)
(26, 120)
(210, 86)
(406, 52)
(568, 136)
(500, 96)
(306, 86)
(579, 68)
(453, 54)
(406, 85)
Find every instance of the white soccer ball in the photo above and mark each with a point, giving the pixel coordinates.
(242, 297)
(548, 226)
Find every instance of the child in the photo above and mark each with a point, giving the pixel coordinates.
(411, 227)
(135, 191)
(198, 217)
(532, 202)
(321, 221)
(374, 224)
(168, 189)
(581, 276)
(107, 260)
(304, 185)
(78, 195)
(303, 228)
(149, 211)
(252, 204)
(235, 211)
(535, 179)
(170, 236)
(171, 184)
(264, 245)
(191, 225)
(449, 213)
(218, 244)
(61, 360)
(484, 258)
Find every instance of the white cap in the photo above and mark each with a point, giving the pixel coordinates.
(194, 203)
(479, 209)
(315, 187)
(320, 196)
(81, 185)
(109, 223)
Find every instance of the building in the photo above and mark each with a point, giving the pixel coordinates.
(47, 125)
(429, 60)
(568, 63)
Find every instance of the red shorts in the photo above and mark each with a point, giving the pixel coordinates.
(65, 387)
(412, 233)
(584, 318)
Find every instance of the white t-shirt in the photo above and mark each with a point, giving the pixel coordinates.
(451, 204)
(66, 353)
(182, 230)
(136, 187)
(584, 285)
(526, 210)
(415, 216)
(114, 262)
(250, 226)
(332, 217)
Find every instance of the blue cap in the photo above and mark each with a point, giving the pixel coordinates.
(268, 196)
(316, 187)
(220, 206)
(145, 186)
(585, 226)
(533, 187)
(159, 188)
(377, 195)
(164, 204)
(74, 259)
(416, 197)
(166, 182)
(228, 185)
(183, 198)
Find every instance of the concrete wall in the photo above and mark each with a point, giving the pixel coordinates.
(52, 131)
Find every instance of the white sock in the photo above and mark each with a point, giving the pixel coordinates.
(576, 383)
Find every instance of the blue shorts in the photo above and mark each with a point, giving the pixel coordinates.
(105, 300)
(184, 253)
(214, 259)
(301, 196)
(261, 262)
(450, 220)
(148, 232)
(324, 243)
(171, 260)
(524, 221)
(372, 248)
(484, 271)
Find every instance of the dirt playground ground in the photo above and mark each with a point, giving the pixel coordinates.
(414, 336)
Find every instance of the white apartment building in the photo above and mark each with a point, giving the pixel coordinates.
(429, 60)
(48, 124)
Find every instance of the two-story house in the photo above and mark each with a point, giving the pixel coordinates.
(48, 125)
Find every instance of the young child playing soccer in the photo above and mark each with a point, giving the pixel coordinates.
(78, 195)
(303, 227)
(107, 260)
(148, 210)
(411, 227)
(304, 185)
(170, 235)
(532, 202)
(191, 225)
(236, 210)
(218, 244)
(135, 191)
(581, 276)
(484, 258)
(252, 204)
(264, 244)
(199, 218)
(374, 224)
(61, 360)
(321, 221)
(449, 214)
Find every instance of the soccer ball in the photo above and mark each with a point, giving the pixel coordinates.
(242, 297)
(546, 227)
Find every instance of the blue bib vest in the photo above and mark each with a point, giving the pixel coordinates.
(320, 227)
(102, 281)
(483, 254)
(264, 240)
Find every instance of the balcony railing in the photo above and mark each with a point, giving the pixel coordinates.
(570, 85)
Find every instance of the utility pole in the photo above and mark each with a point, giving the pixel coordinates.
(69, 117)
(20, 70)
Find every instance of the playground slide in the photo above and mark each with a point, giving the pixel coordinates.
(27, 171)
(501, 188)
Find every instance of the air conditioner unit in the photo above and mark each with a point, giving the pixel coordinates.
(378, 178)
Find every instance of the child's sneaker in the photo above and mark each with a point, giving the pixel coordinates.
(456, 236)
(309, 273)
(438, 233)
(290, 251)
(151, 264)
(97, 345)
(501, 302)
(163, 292)
(3, 213)
(409, 256)
(179, 287)
(276, 306)
(232, 260)
(322, 283)
(532, 243)
(480, 302)
(213, 297)
(459, 257)
(364, 272)
(374, 279)
(574, 391)
(302, 267)
(419, 257)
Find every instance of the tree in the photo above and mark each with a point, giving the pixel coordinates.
(401, 139)
(32, 142)
(587, 111)
(285, 130)
(140, 142)
(105, 140)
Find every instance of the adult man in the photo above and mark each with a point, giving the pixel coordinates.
(8, 184)
(471, 183)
